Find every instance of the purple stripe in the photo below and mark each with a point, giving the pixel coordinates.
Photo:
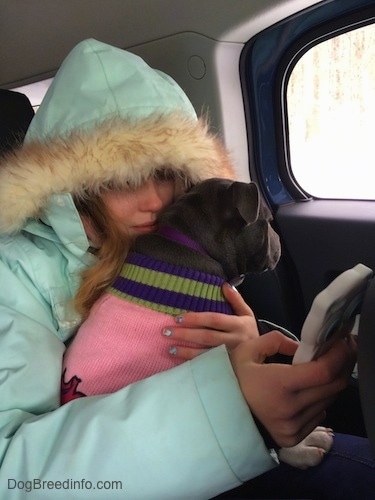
(163, 267)
(170, 298)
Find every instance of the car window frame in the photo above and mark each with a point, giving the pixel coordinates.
(265, 66)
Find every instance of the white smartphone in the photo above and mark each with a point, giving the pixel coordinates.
(332, 314)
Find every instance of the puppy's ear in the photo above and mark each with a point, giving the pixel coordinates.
(245, 197)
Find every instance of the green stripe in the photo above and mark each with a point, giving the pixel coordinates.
(145, 303)
(170, 282)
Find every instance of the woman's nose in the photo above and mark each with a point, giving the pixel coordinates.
(150, 198)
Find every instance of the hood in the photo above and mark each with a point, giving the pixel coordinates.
(106, 118)
(98, 81)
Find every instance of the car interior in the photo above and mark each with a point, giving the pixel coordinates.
(238, 62)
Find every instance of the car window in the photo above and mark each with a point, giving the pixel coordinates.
(35, 91)
(309, 98)
(331, 116)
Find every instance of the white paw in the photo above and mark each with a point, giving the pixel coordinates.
(310, 451)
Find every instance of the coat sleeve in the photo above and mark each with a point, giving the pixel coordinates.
(184, 433)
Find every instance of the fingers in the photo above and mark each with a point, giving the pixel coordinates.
(217, 321)
(204, 337)
(286, 426)
(209, 329)
(269, 344)
(332, 368)
(213, 321)
(290, 400)
(185, 353)
(235, 299)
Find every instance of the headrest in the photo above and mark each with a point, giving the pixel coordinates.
(16, 113)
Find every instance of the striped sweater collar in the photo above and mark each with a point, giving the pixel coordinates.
(169, 288)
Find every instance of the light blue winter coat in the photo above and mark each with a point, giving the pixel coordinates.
(182, 434)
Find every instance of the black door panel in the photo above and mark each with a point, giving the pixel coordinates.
(324, 238)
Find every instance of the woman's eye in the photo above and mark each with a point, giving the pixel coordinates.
(164, 176)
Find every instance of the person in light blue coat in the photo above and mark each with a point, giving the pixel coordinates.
(108, 125)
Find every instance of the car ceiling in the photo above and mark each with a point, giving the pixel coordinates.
(36, 35)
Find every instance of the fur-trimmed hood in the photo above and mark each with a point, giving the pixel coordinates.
(107, 117)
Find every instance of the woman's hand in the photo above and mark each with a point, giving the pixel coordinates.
(290, 400)
(207, 329)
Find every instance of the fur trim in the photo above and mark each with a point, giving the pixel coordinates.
(116, 152)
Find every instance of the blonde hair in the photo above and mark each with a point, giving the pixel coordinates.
(110, 254)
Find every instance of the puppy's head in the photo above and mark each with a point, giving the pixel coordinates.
(257, 240)
(229, 220)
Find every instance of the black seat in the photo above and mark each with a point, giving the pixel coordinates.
(366, 361)
(16, 113)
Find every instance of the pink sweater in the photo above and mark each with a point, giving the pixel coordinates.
(121, 341)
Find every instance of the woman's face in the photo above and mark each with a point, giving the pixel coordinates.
(136, 211)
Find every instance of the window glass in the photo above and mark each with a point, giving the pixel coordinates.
(331, 117)
(35, 91)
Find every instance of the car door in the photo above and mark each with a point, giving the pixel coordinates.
(309, 93)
